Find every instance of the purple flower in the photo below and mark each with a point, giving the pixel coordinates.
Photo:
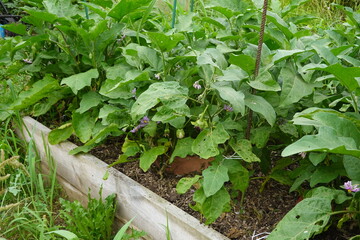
(133, 91)
(157, 76)
(143, 122)
(28, 61)
(196, 85)
(351, 188)
(228, 108)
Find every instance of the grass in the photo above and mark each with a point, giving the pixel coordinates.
(324, 10)
(26, 201)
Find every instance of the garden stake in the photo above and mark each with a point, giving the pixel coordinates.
(192, 5)
(174, 14)
(257, 63)
(86, 11)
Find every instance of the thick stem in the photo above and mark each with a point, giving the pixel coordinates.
(257, 64)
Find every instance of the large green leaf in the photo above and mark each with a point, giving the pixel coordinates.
(338, 133)
(265, 82)
(150, 56)
(206, 143)
(39, 90)
(308, 217)
(346, 75)
(235, 98)
(293, 88)
(79, 81)
(83, 125)
(160, 91)
(214, 178)
(124, 7)
(280, 24)
(245, 62)
(238, 175)
(284, 54)
(61, 133)
(61, 8)
(89, 100)
(352, 167)
(149, 157)
(182, 148)
(213, 206)
(260, 105)
(164, 42)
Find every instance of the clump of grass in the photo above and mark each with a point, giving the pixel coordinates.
(324, 10)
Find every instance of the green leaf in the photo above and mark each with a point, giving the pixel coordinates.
(245, 62)
(352, 167)
(265, 82)
(324, 192)
(280, 24)
(150, 56)
(149, 157)
(244, 149)
(17, 28)
(89, 100)
(284, 54)
(121, 233)
(182, 148)
(323, 174)
(65, 234)
(130, 148)
(238, 175)
(260, 136)
(293, 88)
(164, 42)
(346, 75)
(206, 143)
(83, 125)
(185, 183)
(260, 105)
(235, 98)
(214, 178)
(326, 140)
(338, 133)
(316, 158)
(151, 128)
(39, 90)
(160, 91)
(60, 134)
(124, 7)
(309, 217)
(79, 81)
(61, 8)
(215, 205)
(98, 137)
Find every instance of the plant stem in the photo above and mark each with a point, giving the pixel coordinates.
(257, 64)
(355, 105)
(174, 14)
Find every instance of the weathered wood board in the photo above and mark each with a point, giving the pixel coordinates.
(83, 172)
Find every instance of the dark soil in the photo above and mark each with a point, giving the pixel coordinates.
(261, 211)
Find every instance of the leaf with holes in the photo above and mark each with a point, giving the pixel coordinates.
(206, 143)
(309, 217)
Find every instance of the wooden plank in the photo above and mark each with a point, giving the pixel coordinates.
(151, 212)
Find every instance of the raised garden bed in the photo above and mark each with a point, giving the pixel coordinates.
(83, 173)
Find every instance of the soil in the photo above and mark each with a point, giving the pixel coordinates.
(260, 212)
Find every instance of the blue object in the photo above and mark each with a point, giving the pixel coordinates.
(2, 32)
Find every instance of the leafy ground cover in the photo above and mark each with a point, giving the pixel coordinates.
(184, 84)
